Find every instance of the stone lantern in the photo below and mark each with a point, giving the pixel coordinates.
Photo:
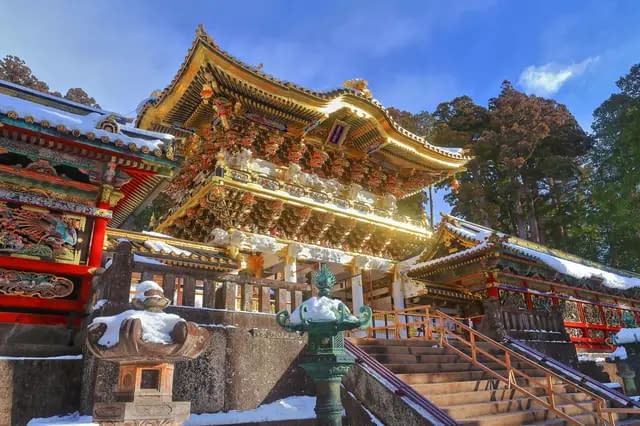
(628, 365)
(325, 359)
(145, 342)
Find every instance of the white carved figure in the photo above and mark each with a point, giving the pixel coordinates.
(333, 186)
(220, 236)
(236, 239)
(244, 159)
(353, 190)
(264, 167)
(389, 202)
(293, 173)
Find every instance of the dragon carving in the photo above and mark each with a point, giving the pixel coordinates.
(37, 233)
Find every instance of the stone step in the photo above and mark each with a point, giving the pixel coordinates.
(456, 376)
(363, 341)
(518, 404)
(406, 350)
(531, 416)
(441, 388)
(502, 394)
(587, 419)
(409, 368)
(402, 358)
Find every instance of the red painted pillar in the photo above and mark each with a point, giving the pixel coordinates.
(97, 238)
(492, 291)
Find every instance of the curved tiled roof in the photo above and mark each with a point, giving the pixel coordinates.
(559, 261)
(68, 117)
(351, 97)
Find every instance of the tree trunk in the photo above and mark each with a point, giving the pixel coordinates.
(521, 223)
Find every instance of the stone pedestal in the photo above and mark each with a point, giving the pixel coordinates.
(144, 396)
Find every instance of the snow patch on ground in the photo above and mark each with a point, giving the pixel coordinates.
(39, 358)
(319, 309)
(292, 408)
(156, 326)
(74, 419)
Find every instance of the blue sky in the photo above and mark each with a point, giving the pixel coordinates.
(415, 54)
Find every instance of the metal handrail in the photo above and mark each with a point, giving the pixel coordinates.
(512, 372)
(630, 406)
(399, 387)
(393, 322)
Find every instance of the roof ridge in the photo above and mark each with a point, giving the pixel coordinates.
(203, 37)
(547, 249)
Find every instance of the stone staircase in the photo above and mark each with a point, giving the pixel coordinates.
(470, 395)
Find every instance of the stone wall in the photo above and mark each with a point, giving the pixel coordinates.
(249, 361)
(386, 405)
(38, 388)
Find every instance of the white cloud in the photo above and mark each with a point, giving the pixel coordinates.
(548, 79)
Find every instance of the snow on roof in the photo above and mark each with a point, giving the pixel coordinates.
(161, 246)
(84, 124)
(558, 261)
(461, 253)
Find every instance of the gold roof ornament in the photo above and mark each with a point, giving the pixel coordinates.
(359, 84)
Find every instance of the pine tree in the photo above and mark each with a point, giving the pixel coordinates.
(526, 177)
(615, 178)
(15, 70)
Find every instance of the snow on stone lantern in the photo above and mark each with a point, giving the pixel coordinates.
(325, 360)
(145, 342)
(627, 357)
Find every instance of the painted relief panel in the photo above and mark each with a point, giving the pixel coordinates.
(541, 302)
(511, 299)
(612, 316)
(39, 233)
(574, 332)
(591, 314)
(570, 311)
(30, 284)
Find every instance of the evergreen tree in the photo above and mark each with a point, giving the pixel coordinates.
(15, 70)
(526, 177)
(615, 178)
(77, 94)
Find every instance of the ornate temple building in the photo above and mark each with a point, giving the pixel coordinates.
(66, 171)
(229, 190)
(528, 278)
(283, 177)
(249, 183)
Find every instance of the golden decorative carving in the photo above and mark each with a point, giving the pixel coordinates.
(109, 195)
(359, 84)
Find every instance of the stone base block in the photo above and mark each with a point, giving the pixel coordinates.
(141, 413)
